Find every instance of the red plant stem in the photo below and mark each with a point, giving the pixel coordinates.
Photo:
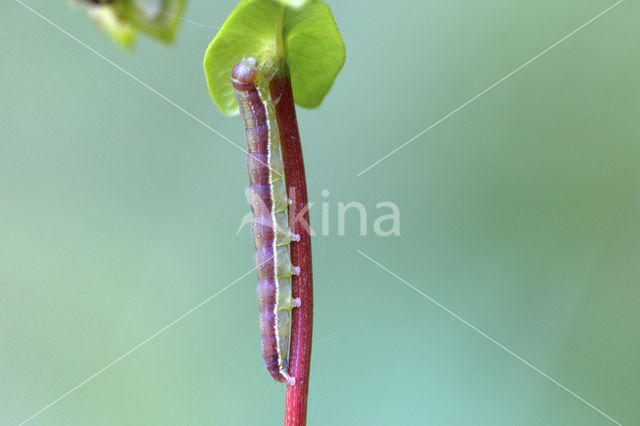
(302, 321)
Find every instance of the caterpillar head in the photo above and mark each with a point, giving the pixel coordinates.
(245, 74)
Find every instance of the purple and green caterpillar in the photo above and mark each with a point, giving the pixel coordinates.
(267, 196)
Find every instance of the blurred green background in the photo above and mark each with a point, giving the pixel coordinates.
(520, 213)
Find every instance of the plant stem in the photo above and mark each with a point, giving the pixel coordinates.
(302, 321)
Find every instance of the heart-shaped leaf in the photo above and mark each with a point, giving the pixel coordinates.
(306, 37)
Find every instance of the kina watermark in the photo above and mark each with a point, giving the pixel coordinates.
(340, 218)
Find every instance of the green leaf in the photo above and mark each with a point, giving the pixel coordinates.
(120, 31)
(122, 20)
(252, 29)
(158, 18)
(315, 52)
(307, 38)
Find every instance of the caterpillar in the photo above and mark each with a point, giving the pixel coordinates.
(270, 228)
